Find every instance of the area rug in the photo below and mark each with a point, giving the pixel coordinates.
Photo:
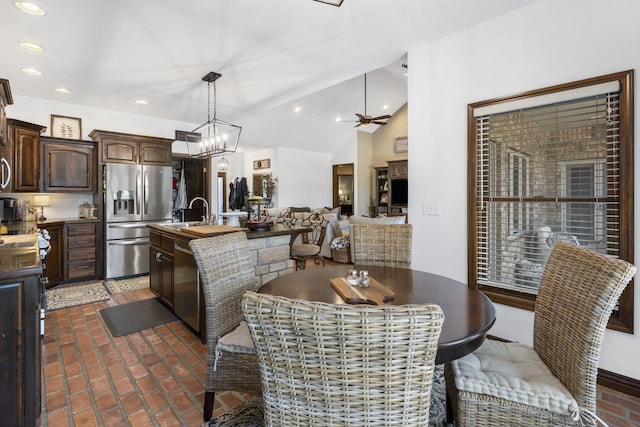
(125, 319)
(249, 413)
(71, 295)
(125, 285)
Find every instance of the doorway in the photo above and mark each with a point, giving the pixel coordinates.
(222, 191)
(343, 189)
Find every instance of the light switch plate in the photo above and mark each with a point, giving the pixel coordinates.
(431, 208)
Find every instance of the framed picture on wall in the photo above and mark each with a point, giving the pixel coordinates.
(66, 127)
(261, 164)
(401, 144)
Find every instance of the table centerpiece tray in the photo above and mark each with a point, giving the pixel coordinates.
(376, 293)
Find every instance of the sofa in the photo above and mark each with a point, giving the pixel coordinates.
(337, 224)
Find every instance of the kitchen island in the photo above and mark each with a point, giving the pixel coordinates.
(173, 273)
(20, 299)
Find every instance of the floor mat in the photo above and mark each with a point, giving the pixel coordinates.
(130, 284)
(125, 319)
(71, 295)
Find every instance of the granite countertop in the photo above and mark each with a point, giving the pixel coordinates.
(19, 256)
(30, 227)
(196, 230)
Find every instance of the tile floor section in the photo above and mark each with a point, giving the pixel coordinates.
(156, 377)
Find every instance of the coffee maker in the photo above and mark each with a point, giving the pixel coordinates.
(8, 209)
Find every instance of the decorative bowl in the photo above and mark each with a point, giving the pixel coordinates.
(259, 225)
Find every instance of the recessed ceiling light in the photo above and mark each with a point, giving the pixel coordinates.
(338, 119)
(31, 71)
(29, 8)
(385, 107)
(62, 90)
(31, 46)
(297, 109)
(142, 102)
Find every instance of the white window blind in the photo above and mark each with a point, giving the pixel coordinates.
(545, 173)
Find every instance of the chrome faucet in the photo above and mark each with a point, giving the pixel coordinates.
(205, 218)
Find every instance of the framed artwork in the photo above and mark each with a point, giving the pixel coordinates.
(401, 144)
(66, 127)
(261, 164)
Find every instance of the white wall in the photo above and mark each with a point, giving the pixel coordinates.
(550, 42)
(304, 178)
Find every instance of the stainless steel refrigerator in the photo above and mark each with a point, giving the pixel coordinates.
(136, 195)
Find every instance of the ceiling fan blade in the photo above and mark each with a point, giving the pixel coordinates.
(359, 124)
(360, 116)
(379, 123)
(382, 117)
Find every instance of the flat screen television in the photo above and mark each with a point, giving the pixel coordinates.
(399, 192)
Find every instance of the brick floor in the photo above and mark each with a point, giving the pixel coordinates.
(156, 377)
(93, 379)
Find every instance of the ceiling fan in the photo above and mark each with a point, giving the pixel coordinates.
(365, 120)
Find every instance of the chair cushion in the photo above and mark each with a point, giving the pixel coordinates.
(237, 341)
(303, 249)
(514, 372)
(247, 414)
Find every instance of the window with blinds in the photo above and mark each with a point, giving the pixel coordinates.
(549, 167)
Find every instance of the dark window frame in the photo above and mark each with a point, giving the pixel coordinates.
(622, 320)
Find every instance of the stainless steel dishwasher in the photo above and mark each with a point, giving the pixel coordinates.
(186, 289)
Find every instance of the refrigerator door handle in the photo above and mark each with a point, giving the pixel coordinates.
(4, 182)
(146, 192)
(136, 225)
(138, 192)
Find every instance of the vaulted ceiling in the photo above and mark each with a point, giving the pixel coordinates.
(273, 55)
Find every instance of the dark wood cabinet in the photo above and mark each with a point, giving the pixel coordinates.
(54, 262)
(68, 166)
(158, 154)
(118, 147)
(396, 195)
(24, 146)
(20, 364)
(161, 266)
(81, 251)
(398, 169)
(5, 99)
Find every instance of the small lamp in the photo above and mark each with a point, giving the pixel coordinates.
(41, 201)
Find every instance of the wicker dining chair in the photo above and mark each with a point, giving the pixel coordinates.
(311, 241)
(226, 270)
(334, 364)
(553, 382)
(386, 245)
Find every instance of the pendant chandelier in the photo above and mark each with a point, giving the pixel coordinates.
(215, 137)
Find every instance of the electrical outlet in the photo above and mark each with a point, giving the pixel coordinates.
(431, 208)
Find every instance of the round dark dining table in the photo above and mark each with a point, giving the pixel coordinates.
(469, 314)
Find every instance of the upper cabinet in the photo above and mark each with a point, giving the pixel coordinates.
(68, 165)
(398, 169)
(5, 99)
(118, 147)
(23, 148)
